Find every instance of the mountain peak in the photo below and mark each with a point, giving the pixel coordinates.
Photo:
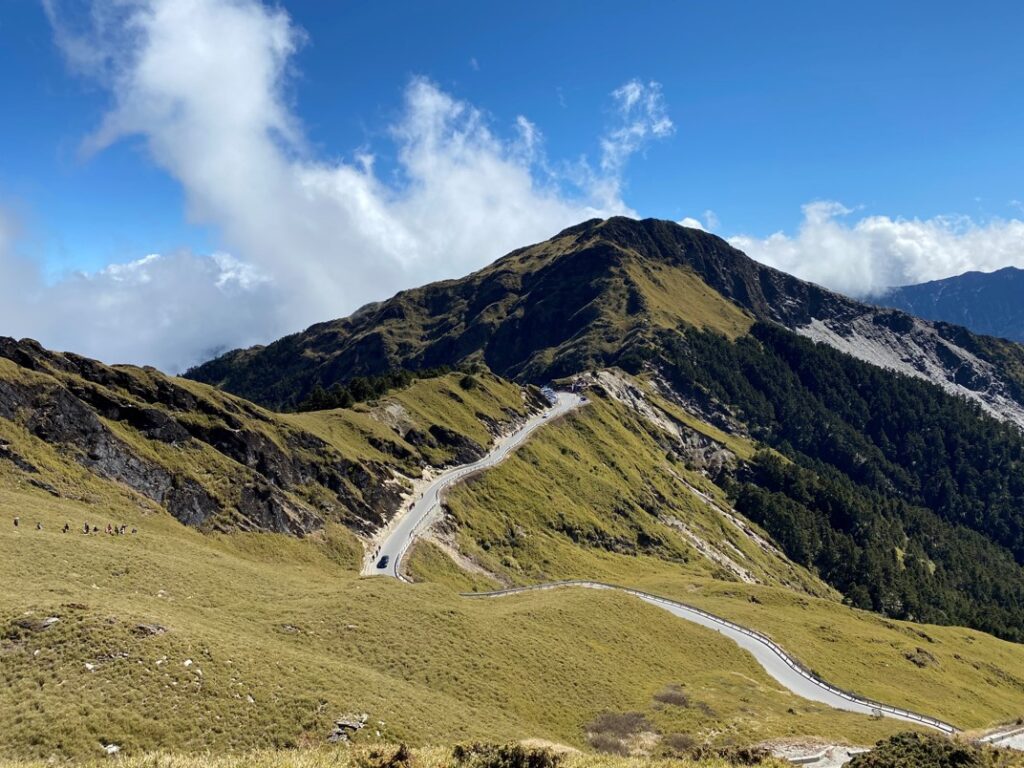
(585, 297)
(985, 302)
(609, 292)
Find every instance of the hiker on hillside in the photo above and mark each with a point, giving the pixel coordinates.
(85, 528)
(110, 529)
(67, 527)
(39, 526)
(134, 531)
(17, 520)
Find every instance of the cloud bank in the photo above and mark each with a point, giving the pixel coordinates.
(866, 256)
(204, 86)
(203, 83)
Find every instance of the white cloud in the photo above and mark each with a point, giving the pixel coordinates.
(709, 224)
(171, 309)
(868, 255)
(203, 83)
(642, 114)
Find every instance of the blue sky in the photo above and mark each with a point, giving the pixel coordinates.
(891, 121)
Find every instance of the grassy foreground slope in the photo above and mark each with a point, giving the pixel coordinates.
(176, 640)
(588, 498)
(389, 756)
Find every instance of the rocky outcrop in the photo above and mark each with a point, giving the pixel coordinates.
(464, 449)
(918, 348)
(55, 416)
(73, 403)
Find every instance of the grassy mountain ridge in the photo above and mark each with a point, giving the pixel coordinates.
(592, 296)
(218, 462)
(580, 300)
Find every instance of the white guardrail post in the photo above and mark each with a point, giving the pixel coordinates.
(763, 639)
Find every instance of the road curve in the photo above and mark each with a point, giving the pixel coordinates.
(402, 531)
(776, 662)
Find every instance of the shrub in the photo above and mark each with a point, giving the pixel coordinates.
(679, 744)
(916, 750)
(673, 695)
(620, 724)
(503, 756)
(386, 758)
(608, 744)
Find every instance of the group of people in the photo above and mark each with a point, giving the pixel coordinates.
(111, 530)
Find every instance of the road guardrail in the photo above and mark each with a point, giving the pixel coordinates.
(796, 666)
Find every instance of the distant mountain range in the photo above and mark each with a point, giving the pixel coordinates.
(991, 303)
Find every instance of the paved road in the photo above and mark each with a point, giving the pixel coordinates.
(403, 531)
(1012, 738)
(776, 662)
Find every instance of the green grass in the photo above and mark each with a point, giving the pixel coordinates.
(428, 562)
(289, 624)
(591, 490)
(579, 501)
(676, 295)
(374, 757)
(441, 400)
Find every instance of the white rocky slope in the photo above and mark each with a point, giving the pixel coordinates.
(914, 347)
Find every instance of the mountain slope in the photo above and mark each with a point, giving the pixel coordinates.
(182, 639)
(193, 640)
(986, 302)
(593, 296)
(218, 462)
(896, 484)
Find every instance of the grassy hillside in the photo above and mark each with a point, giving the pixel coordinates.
(391, 756)
(603, 486)
(176, 640)
(583, 500)
(218, 462)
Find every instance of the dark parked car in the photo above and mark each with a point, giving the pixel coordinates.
(383, 562)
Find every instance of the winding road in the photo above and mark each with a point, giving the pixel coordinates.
(399, 536)
(403, 530)
(775, 661)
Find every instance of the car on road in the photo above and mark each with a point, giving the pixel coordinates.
(383, 562)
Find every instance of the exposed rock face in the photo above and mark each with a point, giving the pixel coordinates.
(71, 402)
(466, 450)
(985, 302)
(699, 451)
(915, 347)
